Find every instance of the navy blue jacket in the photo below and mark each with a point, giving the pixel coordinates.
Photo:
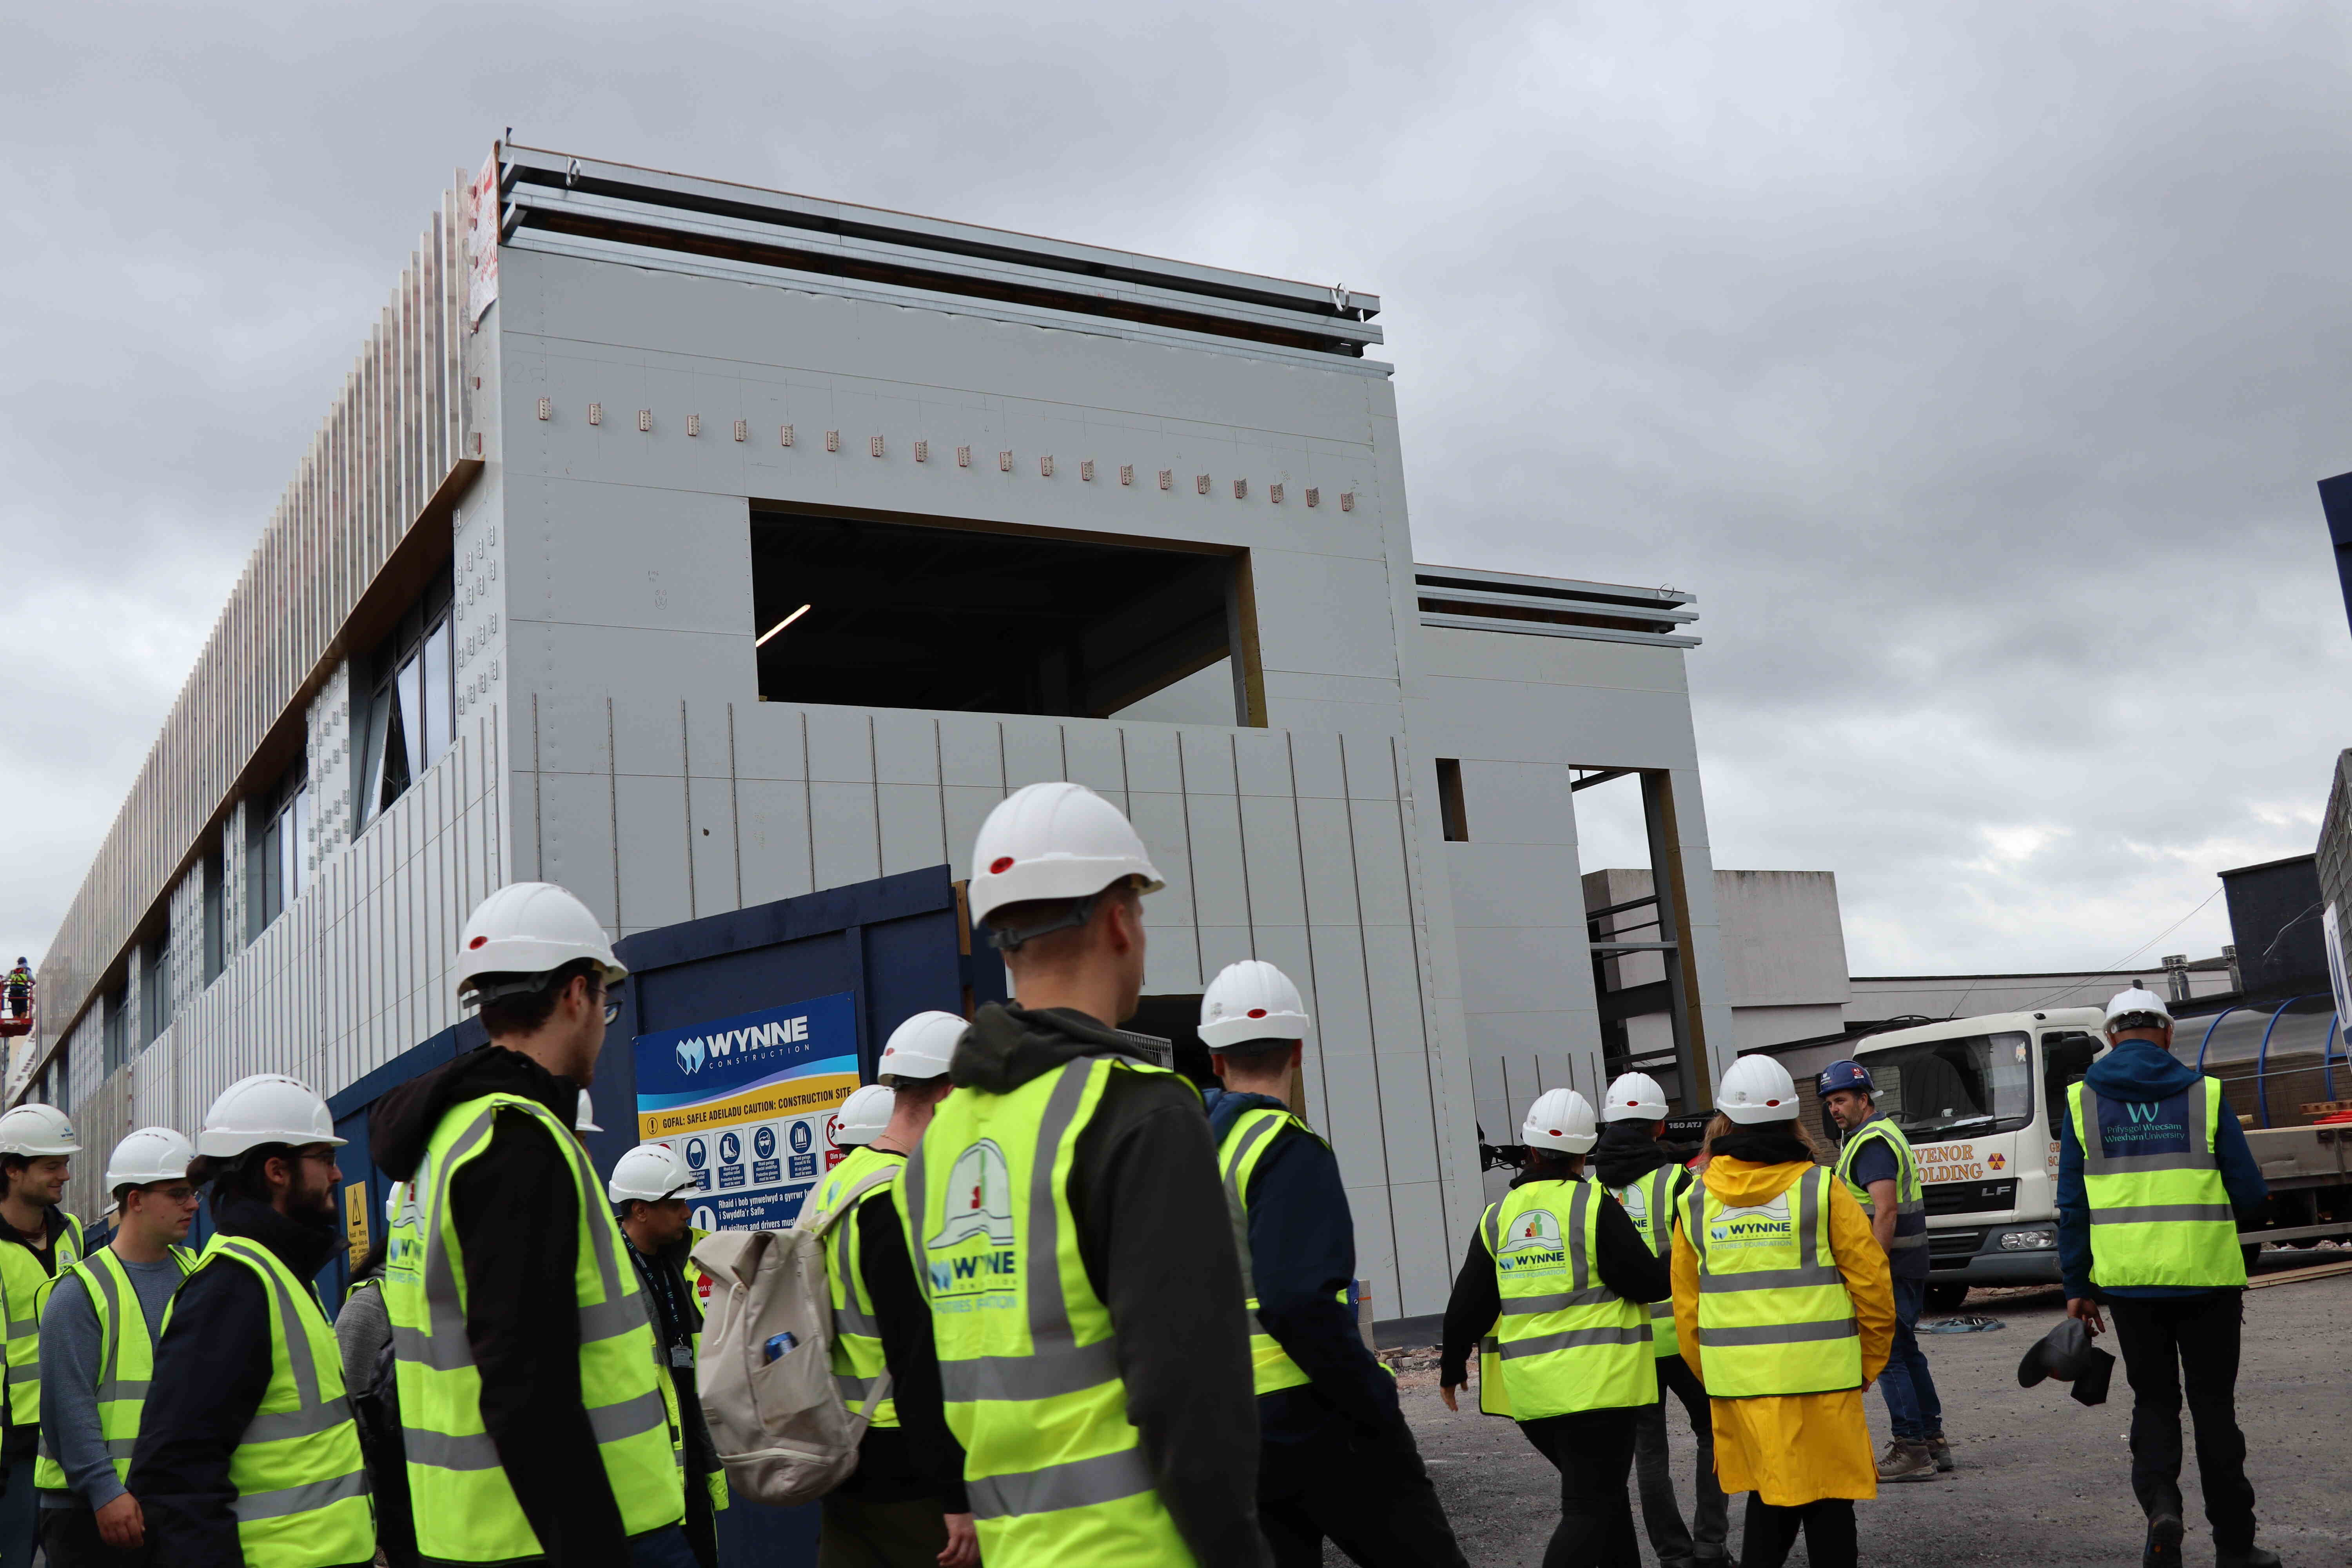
(1302, 1257)
(2141, 1070)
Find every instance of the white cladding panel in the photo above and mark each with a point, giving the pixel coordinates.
(1298, 854)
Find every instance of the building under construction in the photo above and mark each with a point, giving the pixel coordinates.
(699, 546)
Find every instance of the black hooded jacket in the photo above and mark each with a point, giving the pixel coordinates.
(1627, 1152)
(1157, 1242)
(517, 1212)
(211, 1368)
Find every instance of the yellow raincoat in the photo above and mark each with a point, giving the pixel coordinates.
(1795, 1449)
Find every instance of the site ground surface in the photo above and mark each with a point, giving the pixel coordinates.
(2043, 1480)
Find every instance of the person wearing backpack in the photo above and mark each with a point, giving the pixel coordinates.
(532, 1396)
(659, 1227)
(98, 1326)
(904, 1505)
(364, 1337)
(1070, 1232)
(1336, 1458)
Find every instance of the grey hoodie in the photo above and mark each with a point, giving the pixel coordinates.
(1158, 1245)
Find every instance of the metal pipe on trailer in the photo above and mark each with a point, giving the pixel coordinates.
(2261, 1055)
(2208, 1040)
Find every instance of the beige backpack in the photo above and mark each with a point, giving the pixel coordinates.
(780, 1426)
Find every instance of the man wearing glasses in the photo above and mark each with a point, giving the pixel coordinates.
(99, 1323)
(247, 1453)
(537, 1414)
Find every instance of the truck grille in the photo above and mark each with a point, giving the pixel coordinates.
(1970, 1197)
(1952, 1249)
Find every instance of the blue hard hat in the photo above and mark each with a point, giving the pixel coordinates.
(1846, 1075)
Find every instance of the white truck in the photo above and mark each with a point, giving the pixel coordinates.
(1981, 1099)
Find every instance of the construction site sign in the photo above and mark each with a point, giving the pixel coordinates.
(749, 1101)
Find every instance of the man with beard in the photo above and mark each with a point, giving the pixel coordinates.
(247, 1451)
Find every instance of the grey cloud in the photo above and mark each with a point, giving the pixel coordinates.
(1972, 364)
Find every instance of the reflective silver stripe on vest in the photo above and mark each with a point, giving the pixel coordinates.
(304, 1499)
(1576, 1339)
(1662, 1309)
(1237, 1203)
(1781, 1334)
(1528, 1306)
(851, 1386)
(446, 1347)
(1056, 1364)
(29, 1372)
(1495, 1229)
(1029, 1376)
(1773, 1279)
(2161, 1213)
(312, 1414)
(2097, 1162)
(851, 1317)
(1078, 1484)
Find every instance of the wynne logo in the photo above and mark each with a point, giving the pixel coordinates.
(979, 1200)
(1535, 1229)
(1762, 1224)
(690, 1055)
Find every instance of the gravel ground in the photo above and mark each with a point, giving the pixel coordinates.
(2042, 1479)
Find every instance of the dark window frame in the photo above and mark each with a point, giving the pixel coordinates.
(413, 668)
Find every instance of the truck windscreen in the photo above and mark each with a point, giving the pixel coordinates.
(1977, 1083)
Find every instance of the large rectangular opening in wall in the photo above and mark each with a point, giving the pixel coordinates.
(887, 613)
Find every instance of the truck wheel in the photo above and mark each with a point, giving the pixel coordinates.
(1946, 1297)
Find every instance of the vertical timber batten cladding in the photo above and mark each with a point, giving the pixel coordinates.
(649, 574)
(383, 453)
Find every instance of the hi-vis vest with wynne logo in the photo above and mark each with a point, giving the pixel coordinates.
(857, 1361)
(1027, 1362)
(22, 1283)
(1910, 1198)
(1650, 1205)
(126, 1360)
(2159, 1212)
(1563, 1342)
(302, 1497)
(1773, 1313)
(466, 1511)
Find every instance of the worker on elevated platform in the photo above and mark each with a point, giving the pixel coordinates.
(1335, 1459)
(16, 990)
(2154, 1181)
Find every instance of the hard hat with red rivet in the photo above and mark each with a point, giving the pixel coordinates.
(1250, 1000)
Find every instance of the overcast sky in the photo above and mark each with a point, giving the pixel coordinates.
(1973, 365)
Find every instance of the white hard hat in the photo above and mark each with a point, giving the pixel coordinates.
(920, 1048)
(35, 1130)
(864, 1115)
(1634, 1097)
(392, 1199)
(150, 1154)
(1757, 1088)
(529, 928)
(268, 1108)
(1561, 1120)
(2128, 1003)
(649, 1173)
(584, 1119)
(1250, 1000)
(1057, 840)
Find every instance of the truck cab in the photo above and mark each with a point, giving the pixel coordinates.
(1981, 1099)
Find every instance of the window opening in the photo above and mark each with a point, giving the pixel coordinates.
(892, 614)
(1450, 808)
(278, 865)
(403, 705)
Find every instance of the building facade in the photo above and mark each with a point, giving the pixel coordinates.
(696, 546)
